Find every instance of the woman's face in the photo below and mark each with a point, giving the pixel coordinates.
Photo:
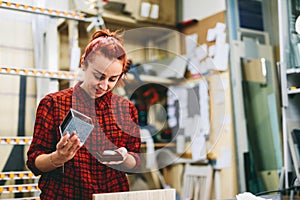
(101, 75)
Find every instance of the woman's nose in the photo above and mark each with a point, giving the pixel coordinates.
(103, 84)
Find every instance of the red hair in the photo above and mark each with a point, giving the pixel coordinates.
(109, 44)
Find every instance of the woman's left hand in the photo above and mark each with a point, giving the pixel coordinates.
(123, 152)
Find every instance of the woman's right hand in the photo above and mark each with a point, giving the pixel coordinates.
(66, 148)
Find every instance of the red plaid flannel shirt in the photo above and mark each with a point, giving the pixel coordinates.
(115, 120)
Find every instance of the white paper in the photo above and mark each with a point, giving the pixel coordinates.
(183, 115)
(172, 122)
(145, 9)
(220, 27)
(204, 108)
(221, 39)
(191, 43)
(201, 52)
(171, 97)
(198, 147)
(206, 65)
(204, 47)
(193, 65)
(180, 144)
(221, 58)
(212, 51)
(211, 35)
(154, 11)
(171, 111)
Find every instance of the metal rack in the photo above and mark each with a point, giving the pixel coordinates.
(17, 175)
(44, 11)
(26, 181)
(26, 140)
(67, 75)
(16, 141)
(19, 188)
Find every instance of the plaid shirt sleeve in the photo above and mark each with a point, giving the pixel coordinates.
(43, 133)
(135, 144)
(123, 114)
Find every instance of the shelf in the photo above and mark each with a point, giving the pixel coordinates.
(293, 71)
(39, 73)
(67, 75)
(17, 175)
(119, 19)
(152, 79)
(26, 198)
(19, 188)
(16, 140)
(43, 11)
(294, 91)
(160, 145)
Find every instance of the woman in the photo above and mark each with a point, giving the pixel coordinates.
(68, 168)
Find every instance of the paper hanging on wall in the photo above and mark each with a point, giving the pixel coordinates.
(145, 9)
(154, 11)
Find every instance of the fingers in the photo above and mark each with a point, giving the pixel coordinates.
(69, 143)
(63, 141)
(67, 146)
(123, 152)
(73, 143)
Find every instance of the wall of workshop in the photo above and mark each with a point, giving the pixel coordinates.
(16, 46)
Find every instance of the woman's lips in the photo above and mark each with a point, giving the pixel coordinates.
(99, 91)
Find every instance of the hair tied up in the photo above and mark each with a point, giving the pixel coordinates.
(106, 33)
